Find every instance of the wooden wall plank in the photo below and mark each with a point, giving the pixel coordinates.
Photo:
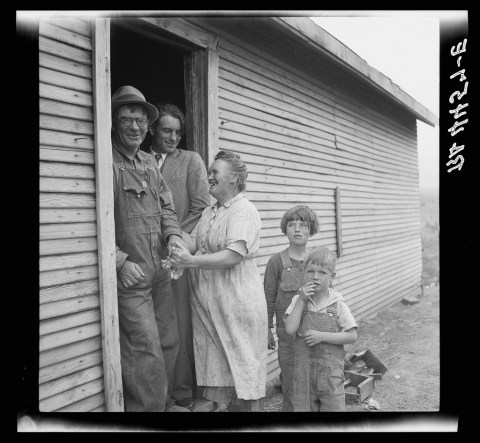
(70, 366)
(67, 261)
(76, 25)
(69, 170)
(68, 230)
(57, 78)
(51, 341)
(66, 155)
(64, 65)
(63, 50)
(60, 401)
(67, 215)
(54, 387)
(69, 306)
(65, 36)
(70, 290)
(64, 139)
(54, 123)
(68, 185)
(73, 350)
(57, 200)
(64, 276)
(64, 246)
(61, 322)
(88, 404)
(65, 95)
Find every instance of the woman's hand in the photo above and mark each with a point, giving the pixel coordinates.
(306, 291)
(181, 257)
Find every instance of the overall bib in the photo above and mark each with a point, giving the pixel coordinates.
(290, 281)
(318, 370)
(148, 324)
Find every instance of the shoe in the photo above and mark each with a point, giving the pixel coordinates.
(188, 403)
(175, 408)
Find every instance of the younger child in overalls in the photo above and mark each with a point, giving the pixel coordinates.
(283, 277)
(322, 324)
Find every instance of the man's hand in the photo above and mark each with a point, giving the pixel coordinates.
(271, 339)
(130, 274)
(313, 338)
(175, 241)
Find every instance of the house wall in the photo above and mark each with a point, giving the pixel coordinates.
(70, 362)
(305, 128)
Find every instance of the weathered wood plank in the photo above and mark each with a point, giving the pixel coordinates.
(73, 350)
(65, 246)
(68, 230)
(55, 123)
(60, 401)
(68, 170)
(70, 366)
(67, 261)
(69, 336)
(69, 306)
(57, 78)
(64, 139)
(59, 49)
(65, 95)
(56, 200)
(92, 403)
(67, 291)
(52, 107)
(67, 321)
(67, 215)
(66, 185)
(66, 155)
(65, 36)
(105, 222)
(64, 65)
(78, 26)
(55, 387)
(64, 276)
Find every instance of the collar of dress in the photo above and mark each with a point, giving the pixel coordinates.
(229, 203)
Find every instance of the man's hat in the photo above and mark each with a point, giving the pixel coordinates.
(128, 95)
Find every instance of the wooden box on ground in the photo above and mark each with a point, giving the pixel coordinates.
(363, 385)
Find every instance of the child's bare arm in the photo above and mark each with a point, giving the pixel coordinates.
(292, 322)
(313, 337)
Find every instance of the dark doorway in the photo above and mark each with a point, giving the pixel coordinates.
(150, 62)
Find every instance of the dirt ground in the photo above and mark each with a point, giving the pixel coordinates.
(404, 336)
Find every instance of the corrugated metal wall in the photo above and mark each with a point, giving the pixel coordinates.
(301, 138)
(71, 374)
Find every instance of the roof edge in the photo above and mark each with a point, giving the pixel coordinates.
(324, 42)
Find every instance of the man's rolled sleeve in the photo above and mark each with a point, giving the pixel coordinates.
(120, 258)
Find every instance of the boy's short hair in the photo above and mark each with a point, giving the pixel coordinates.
(302, 213)
(322, 256)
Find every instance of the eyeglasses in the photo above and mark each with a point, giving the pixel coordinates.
(128, 121)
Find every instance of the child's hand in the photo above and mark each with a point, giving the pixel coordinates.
(313, 337)
(306, 291)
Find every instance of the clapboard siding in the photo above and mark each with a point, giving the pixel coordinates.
(71, 367)
(302, 137)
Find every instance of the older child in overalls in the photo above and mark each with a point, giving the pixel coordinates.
(322, 324)
(283, 277)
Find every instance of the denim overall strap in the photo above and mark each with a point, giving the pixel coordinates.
(290, 282)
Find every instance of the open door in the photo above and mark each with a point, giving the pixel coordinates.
(150, 55)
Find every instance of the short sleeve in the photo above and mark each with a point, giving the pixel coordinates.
(291, 305)
(244, 224)
(345, 317)
(238, 246)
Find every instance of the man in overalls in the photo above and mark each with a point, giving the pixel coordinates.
(146, 229)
